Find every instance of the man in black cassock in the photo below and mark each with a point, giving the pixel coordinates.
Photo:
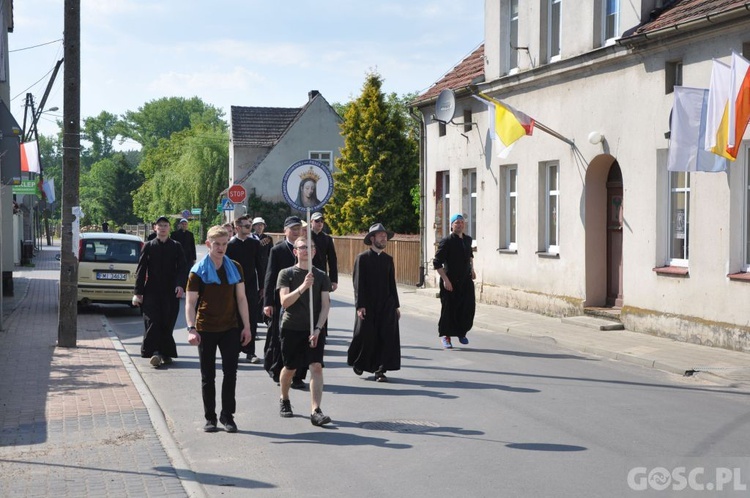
(280, 257)
(246, 251)
(159, 285)
(376, 344)
(454, 263)
(187, 240)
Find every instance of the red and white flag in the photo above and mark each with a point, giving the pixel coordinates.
(30, 157)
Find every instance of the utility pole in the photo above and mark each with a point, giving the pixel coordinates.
(67, 325)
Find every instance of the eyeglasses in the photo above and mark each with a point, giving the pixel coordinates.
(246, 226)
(319, 220)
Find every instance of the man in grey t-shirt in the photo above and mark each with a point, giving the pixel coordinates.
(302, 343)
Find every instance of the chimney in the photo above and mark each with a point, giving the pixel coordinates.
(312, 94)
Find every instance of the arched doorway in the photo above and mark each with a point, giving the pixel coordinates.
(614, 236)
(603, 221)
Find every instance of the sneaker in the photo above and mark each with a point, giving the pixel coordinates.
(317, 418)
(463, 340)
(156, 360)
(446, 342)
(298, 384)
(210, 426)
(228, 422)
(285, 408)
(253, 359)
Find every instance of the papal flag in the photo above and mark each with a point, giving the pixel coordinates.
(30, 157)
(510, 124)
(717, 111)
(688, 133)
(739, 105)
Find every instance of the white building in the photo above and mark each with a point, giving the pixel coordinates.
(560, 228)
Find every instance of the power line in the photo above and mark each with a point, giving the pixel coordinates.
(35, 46)
(37, 81)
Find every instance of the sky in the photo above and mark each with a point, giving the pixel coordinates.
(237, 52)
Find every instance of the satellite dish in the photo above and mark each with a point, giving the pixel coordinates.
(445, 106)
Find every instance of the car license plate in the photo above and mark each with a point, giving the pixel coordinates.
(110, 276)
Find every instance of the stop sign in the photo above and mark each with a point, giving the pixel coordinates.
(236, 193)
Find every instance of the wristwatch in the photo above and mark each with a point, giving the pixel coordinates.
(192, 327)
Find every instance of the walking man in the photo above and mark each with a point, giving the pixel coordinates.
(325, 252)
(281, 256)
(246, 251)
(376, 344)
(159, 286)
(454, 263)
(303, 342)
(186, 238)
(215, 297)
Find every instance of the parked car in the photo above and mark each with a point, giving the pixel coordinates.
(106, 267)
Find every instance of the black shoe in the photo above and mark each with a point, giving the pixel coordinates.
(317, 418)
(358, 371)
(228, 422)
(298, 384)
(166, 360)
(380, 377)
(210, 426)
(285, 408)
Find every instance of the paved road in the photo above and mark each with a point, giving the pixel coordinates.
(505, 416)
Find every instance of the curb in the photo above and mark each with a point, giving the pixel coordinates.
(188, 478)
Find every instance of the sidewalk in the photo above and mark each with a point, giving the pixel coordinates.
(81, 422)
(72, 422)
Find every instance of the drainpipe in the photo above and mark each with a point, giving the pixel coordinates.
(422, 224)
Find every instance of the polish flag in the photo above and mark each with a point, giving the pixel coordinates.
(30, 157)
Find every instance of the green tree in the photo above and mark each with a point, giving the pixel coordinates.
(101, 131)
(105, 192)
(378, 167)
(159, 119)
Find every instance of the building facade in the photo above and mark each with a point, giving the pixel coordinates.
(584, 213)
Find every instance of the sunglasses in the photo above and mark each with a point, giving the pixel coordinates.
(246, 226)
(320, 220)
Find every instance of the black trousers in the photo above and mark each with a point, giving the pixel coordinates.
(228, 343)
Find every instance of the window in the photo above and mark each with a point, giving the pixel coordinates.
(442, 204)
(470, 201)
(747, 212)
(511, 207)
(552, 209)
(672, 76)
(467, 120)
(554, 33)
(679, 225)
(611, 21)
(323, 157)
(513, 30)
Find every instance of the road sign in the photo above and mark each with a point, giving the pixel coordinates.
(236, 193)
(186, 214)
(197, 211)
(227, 205)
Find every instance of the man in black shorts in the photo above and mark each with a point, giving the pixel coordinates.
(302, 342)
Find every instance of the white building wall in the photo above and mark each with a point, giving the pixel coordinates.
(622, 96)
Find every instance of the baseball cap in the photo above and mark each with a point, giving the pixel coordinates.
(292, 221)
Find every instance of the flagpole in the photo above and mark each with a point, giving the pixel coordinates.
(552, 132)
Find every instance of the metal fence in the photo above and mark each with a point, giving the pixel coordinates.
(406, 255)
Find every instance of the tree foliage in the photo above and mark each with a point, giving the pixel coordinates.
(105, 192)
(378, 167)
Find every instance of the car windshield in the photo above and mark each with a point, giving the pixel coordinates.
(111, 251)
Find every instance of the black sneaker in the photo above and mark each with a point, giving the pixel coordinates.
(317, 418)
(285, 408)
(228, 422)
(298, 384)
(210, 426)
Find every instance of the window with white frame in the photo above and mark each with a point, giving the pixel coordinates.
(552, 209)
(554, 29)
(322, 156)
(442, 204)
(679, 224)
(511, 207)
(610, 21)
(470, 201)
(513, 32)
